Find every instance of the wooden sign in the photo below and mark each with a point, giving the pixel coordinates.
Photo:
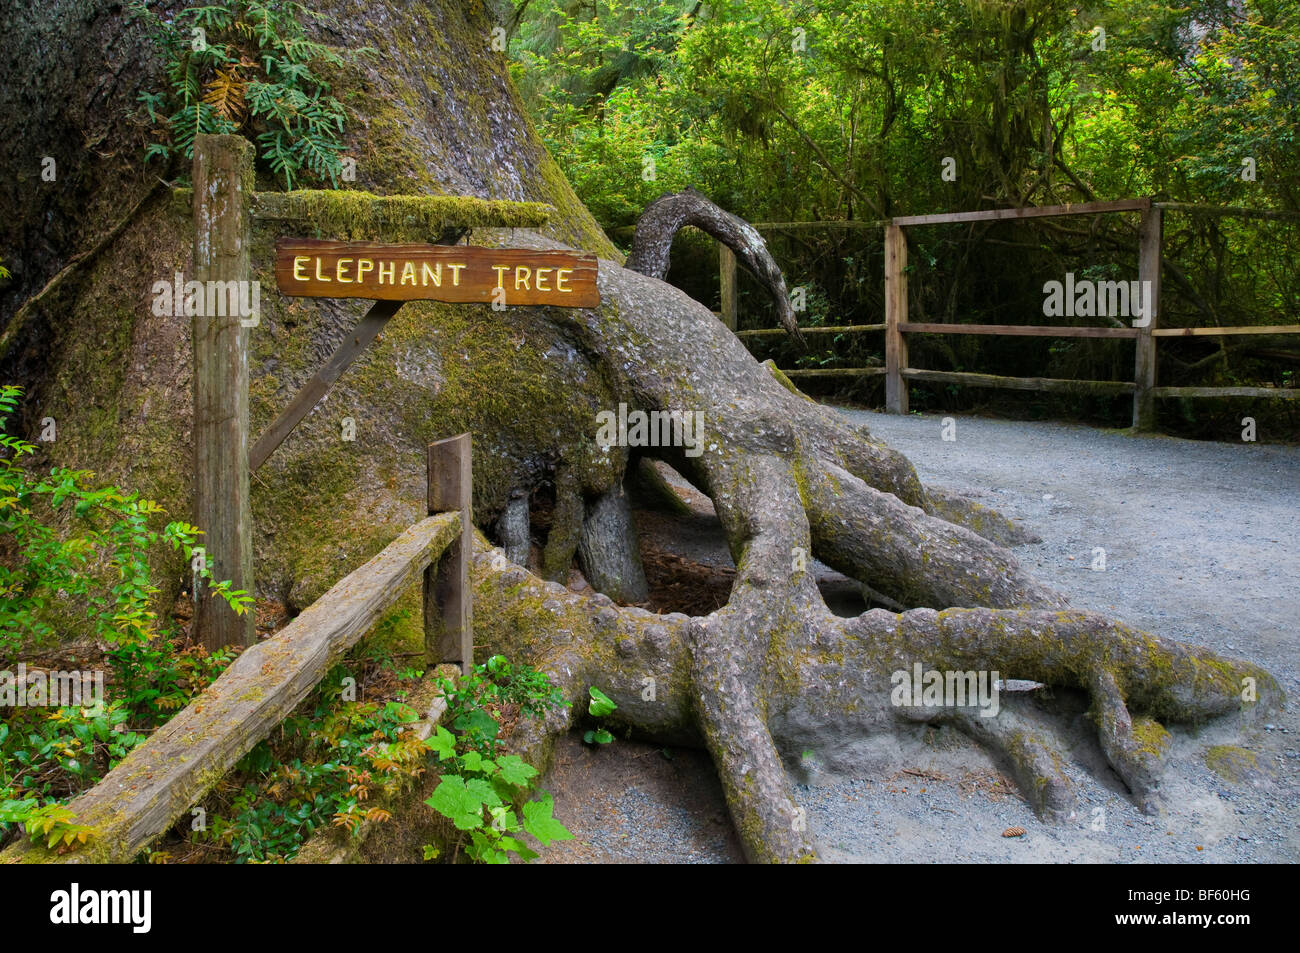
(311, 268)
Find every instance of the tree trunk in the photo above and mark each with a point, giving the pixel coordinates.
(771, 673)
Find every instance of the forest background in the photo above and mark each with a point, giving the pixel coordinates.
(852, 110)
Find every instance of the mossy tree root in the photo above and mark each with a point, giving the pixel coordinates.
(774, 673)
(668, 214)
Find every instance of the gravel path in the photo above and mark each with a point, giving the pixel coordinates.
(1200, 544)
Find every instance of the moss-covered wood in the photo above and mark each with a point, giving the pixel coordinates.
(159, 781)
(772, 673)
(362, 216)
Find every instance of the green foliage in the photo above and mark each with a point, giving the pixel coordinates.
(599, 706)
(790, 110)
(56, 825)
(50, 567)
(48, 756)
(479, 788)
(477, 795)
(494, 683)
(154, 680)
(845, 108)
(247, 67)
(350, 752)
(591, 73)
(76, 560)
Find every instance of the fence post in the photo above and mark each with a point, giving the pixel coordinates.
(1150, 234)
(895, 314)
(448, 602)
(223, 183)
(727, 283)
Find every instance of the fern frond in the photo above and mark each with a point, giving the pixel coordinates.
(290, 73)
(319, 155)
(225, 94)
(278, 153)
(215, 17)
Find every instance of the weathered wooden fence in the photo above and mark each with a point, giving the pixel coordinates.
(225, 205)
(898, 371)
(160, 781)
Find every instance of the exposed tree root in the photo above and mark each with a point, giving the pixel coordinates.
(774, 672)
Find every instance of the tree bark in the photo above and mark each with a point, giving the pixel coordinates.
(770, 674)
(774, 672)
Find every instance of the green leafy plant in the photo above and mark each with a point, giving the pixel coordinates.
(480, 789)
(49, 568)
(599, 706)
(477, 795)
(247, 67)
(47, 756)
(351, 752)
(155, 681)
(495, 683)
(56, 825)
(75, 557)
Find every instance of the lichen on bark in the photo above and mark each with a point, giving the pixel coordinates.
(768, 675)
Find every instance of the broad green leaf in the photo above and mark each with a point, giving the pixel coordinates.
(473, 761)
(443, 742)
(454, 801)
(601, 704)
(482, 849)
(515, 770)
(539, 822)
(525, 852)
(482, 790)
(477, 721)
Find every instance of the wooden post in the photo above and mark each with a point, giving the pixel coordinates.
(448, 603)
(1150, 234)
(895, 315)
(223, 186)
(727, 281)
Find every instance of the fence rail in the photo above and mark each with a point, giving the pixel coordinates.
(896, 327)
(160, 781)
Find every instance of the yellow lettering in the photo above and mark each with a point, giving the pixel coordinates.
(389, 268)
(338, 270)
(364, 265)
(408, 271)
(319, 276)
(501, 272)
(298, 262)
(455, 275)
(522, 274)
(540, 276)
(560, 279)
(427, 274)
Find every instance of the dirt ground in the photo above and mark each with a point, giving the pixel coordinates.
(1200, 545)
